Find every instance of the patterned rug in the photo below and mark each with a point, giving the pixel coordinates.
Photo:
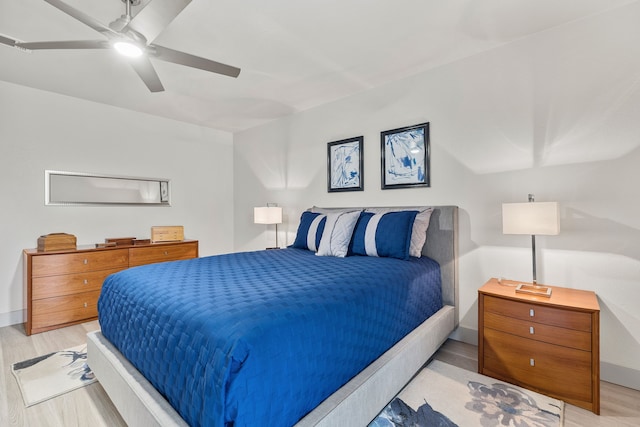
(444, 395)
(53, 374)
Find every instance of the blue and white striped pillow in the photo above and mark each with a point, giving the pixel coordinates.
(310, 231)
(383, 235)
(420, 225)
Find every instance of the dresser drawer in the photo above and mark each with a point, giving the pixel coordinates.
(51, 265)
(67, 284)
(65, 309)
(556, 370)
(580, 340)
(563, 318)
(162, 253)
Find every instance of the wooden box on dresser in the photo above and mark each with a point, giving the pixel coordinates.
(63, 286)
(546, 344)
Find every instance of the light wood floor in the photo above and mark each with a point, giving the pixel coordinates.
(90, 406)
(87, 406)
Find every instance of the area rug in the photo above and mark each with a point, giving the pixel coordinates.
(444, 395)
(53, 374)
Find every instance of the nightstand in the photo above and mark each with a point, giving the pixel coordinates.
(546, 344)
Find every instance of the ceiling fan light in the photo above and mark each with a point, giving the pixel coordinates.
(127, 49)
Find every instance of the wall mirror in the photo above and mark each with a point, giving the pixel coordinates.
(74, 188)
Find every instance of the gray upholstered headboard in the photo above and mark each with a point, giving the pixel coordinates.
(441, 245)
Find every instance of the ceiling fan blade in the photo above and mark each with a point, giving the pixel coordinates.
(81, 16)
(177, 57)
(147, 73)
(8, 41)
(68, 44)
(155, 16)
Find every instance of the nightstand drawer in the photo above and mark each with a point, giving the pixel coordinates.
(548, 368)
(580, 340)
(563, 318)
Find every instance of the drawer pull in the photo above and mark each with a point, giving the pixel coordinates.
(532, 362)
(531, 331)
(531, 312)
(166, 252)
(85, 306)
(86, 282)
(85, 262)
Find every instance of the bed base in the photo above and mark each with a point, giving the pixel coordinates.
(137, 401)
(355, 404)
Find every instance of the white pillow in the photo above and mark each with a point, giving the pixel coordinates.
(420, 225)
(419, 232)
(337, 233)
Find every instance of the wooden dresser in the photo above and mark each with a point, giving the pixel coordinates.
(63, 286)
(546, 344)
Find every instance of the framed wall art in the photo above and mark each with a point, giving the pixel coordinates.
(345, 165)
(405, 157)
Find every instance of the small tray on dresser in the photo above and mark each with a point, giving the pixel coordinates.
(539, 290)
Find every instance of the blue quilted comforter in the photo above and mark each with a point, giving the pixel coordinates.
(261, 338)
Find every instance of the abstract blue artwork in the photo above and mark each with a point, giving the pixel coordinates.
(345, 165)
(405, 157)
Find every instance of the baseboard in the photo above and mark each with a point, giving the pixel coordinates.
(12, 318)
(620, 375)
(466, 335)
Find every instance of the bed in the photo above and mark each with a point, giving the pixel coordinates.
(131, 325)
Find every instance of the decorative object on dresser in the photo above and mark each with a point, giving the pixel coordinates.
(120, 241)
(549, 345)
(167, 233)
(270, 214)
(533, 218)
(124, 241)
(56, 242)
(63, 286)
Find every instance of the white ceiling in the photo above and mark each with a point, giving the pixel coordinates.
(294, 54)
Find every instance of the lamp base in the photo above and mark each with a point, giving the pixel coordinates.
(542, 291)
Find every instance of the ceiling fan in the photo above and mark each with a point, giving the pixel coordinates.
(132, 37)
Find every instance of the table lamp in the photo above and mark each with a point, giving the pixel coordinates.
(533, 218)
(269, 214)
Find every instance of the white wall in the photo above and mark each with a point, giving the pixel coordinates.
(555, 114)
(41, 130)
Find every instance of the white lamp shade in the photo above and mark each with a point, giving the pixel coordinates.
(534, 218)
(267, 215)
